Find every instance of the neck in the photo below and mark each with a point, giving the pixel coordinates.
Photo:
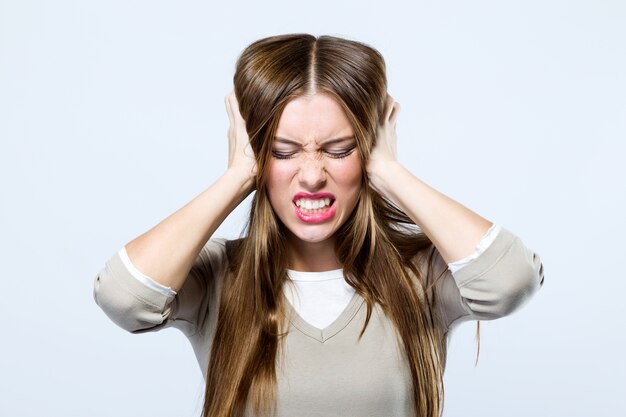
(313, 256)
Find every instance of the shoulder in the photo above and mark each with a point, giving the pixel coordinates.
(220, 255)
(218, 251)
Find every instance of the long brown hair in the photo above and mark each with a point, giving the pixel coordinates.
(377, 245)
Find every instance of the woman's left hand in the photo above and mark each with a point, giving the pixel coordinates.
(384, 152)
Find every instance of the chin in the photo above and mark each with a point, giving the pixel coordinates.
(311, 236)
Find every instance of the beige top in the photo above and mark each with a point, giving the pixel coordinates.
(328, 371)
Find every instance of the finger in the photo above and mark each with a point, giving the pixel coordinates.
(235, 110)
(394, 113)
(388, 107)
(228, 108)
(248, 151)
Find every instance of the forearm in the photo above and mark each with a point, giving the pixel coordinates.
(454, 229)
(167, 251)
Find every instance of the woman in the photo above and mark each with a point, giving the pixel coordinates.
(339, 298)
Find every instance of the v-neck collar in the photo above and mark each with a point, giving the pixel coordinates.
(322, 335)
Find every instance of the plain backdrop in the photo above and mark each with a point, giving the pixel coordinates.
(112, 117)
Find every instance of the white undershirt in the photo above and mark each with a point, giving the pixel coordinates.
(318, 297)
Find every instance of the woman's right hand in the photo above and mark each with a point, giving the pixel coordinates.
(240, 154)
(168, 251)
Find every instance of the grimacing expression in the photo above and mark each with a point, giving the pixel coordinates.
(315, 173)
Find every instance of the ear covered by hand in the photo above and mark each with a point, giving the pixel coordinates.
(385, 148)
(240, 154)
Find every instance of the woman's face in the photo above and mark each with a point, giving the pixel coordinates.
(315, 171)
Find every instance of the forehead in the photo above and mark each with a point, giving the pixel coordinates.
(313, 119)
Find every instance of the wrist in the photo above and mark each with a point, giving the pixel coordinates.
(241, 178)
(382, 176)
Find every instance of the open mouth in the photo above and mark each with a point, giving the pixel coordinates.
(313, 206)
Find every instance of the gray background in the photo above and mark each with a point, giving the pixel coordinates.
(112, 117)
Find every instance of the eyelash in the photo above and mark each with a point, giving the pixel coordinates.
(339, 155)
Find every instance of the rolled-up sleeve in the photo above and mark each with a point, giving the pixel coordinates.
(498, 282)
(128, 302)
(139, 308)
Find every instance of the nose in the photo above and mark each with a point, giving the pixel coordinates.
(312, 173)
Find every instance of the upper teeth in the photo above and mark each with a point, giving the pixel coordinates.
(312, 204)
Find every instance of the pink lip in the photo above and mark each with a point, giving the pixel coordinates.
(315, 217)
(313, 196)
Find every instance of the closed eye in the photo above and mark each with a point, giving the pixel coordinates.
(336, 154)
(283, 155)
(341, 154)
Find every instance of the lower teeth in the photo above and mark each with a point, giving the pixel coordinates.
(319, 210)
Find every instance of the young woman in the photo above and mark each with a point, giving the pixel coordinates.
(339, 298)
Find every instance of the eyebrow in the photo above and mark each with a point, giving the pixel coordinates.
(327, 142)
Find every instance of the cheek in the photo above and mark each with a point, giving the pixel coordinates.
(348, 172)
(279, 176)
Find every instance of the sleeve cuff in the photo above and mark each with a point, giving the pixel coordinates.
(484, 243)
(144, 279)
(502, 279)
